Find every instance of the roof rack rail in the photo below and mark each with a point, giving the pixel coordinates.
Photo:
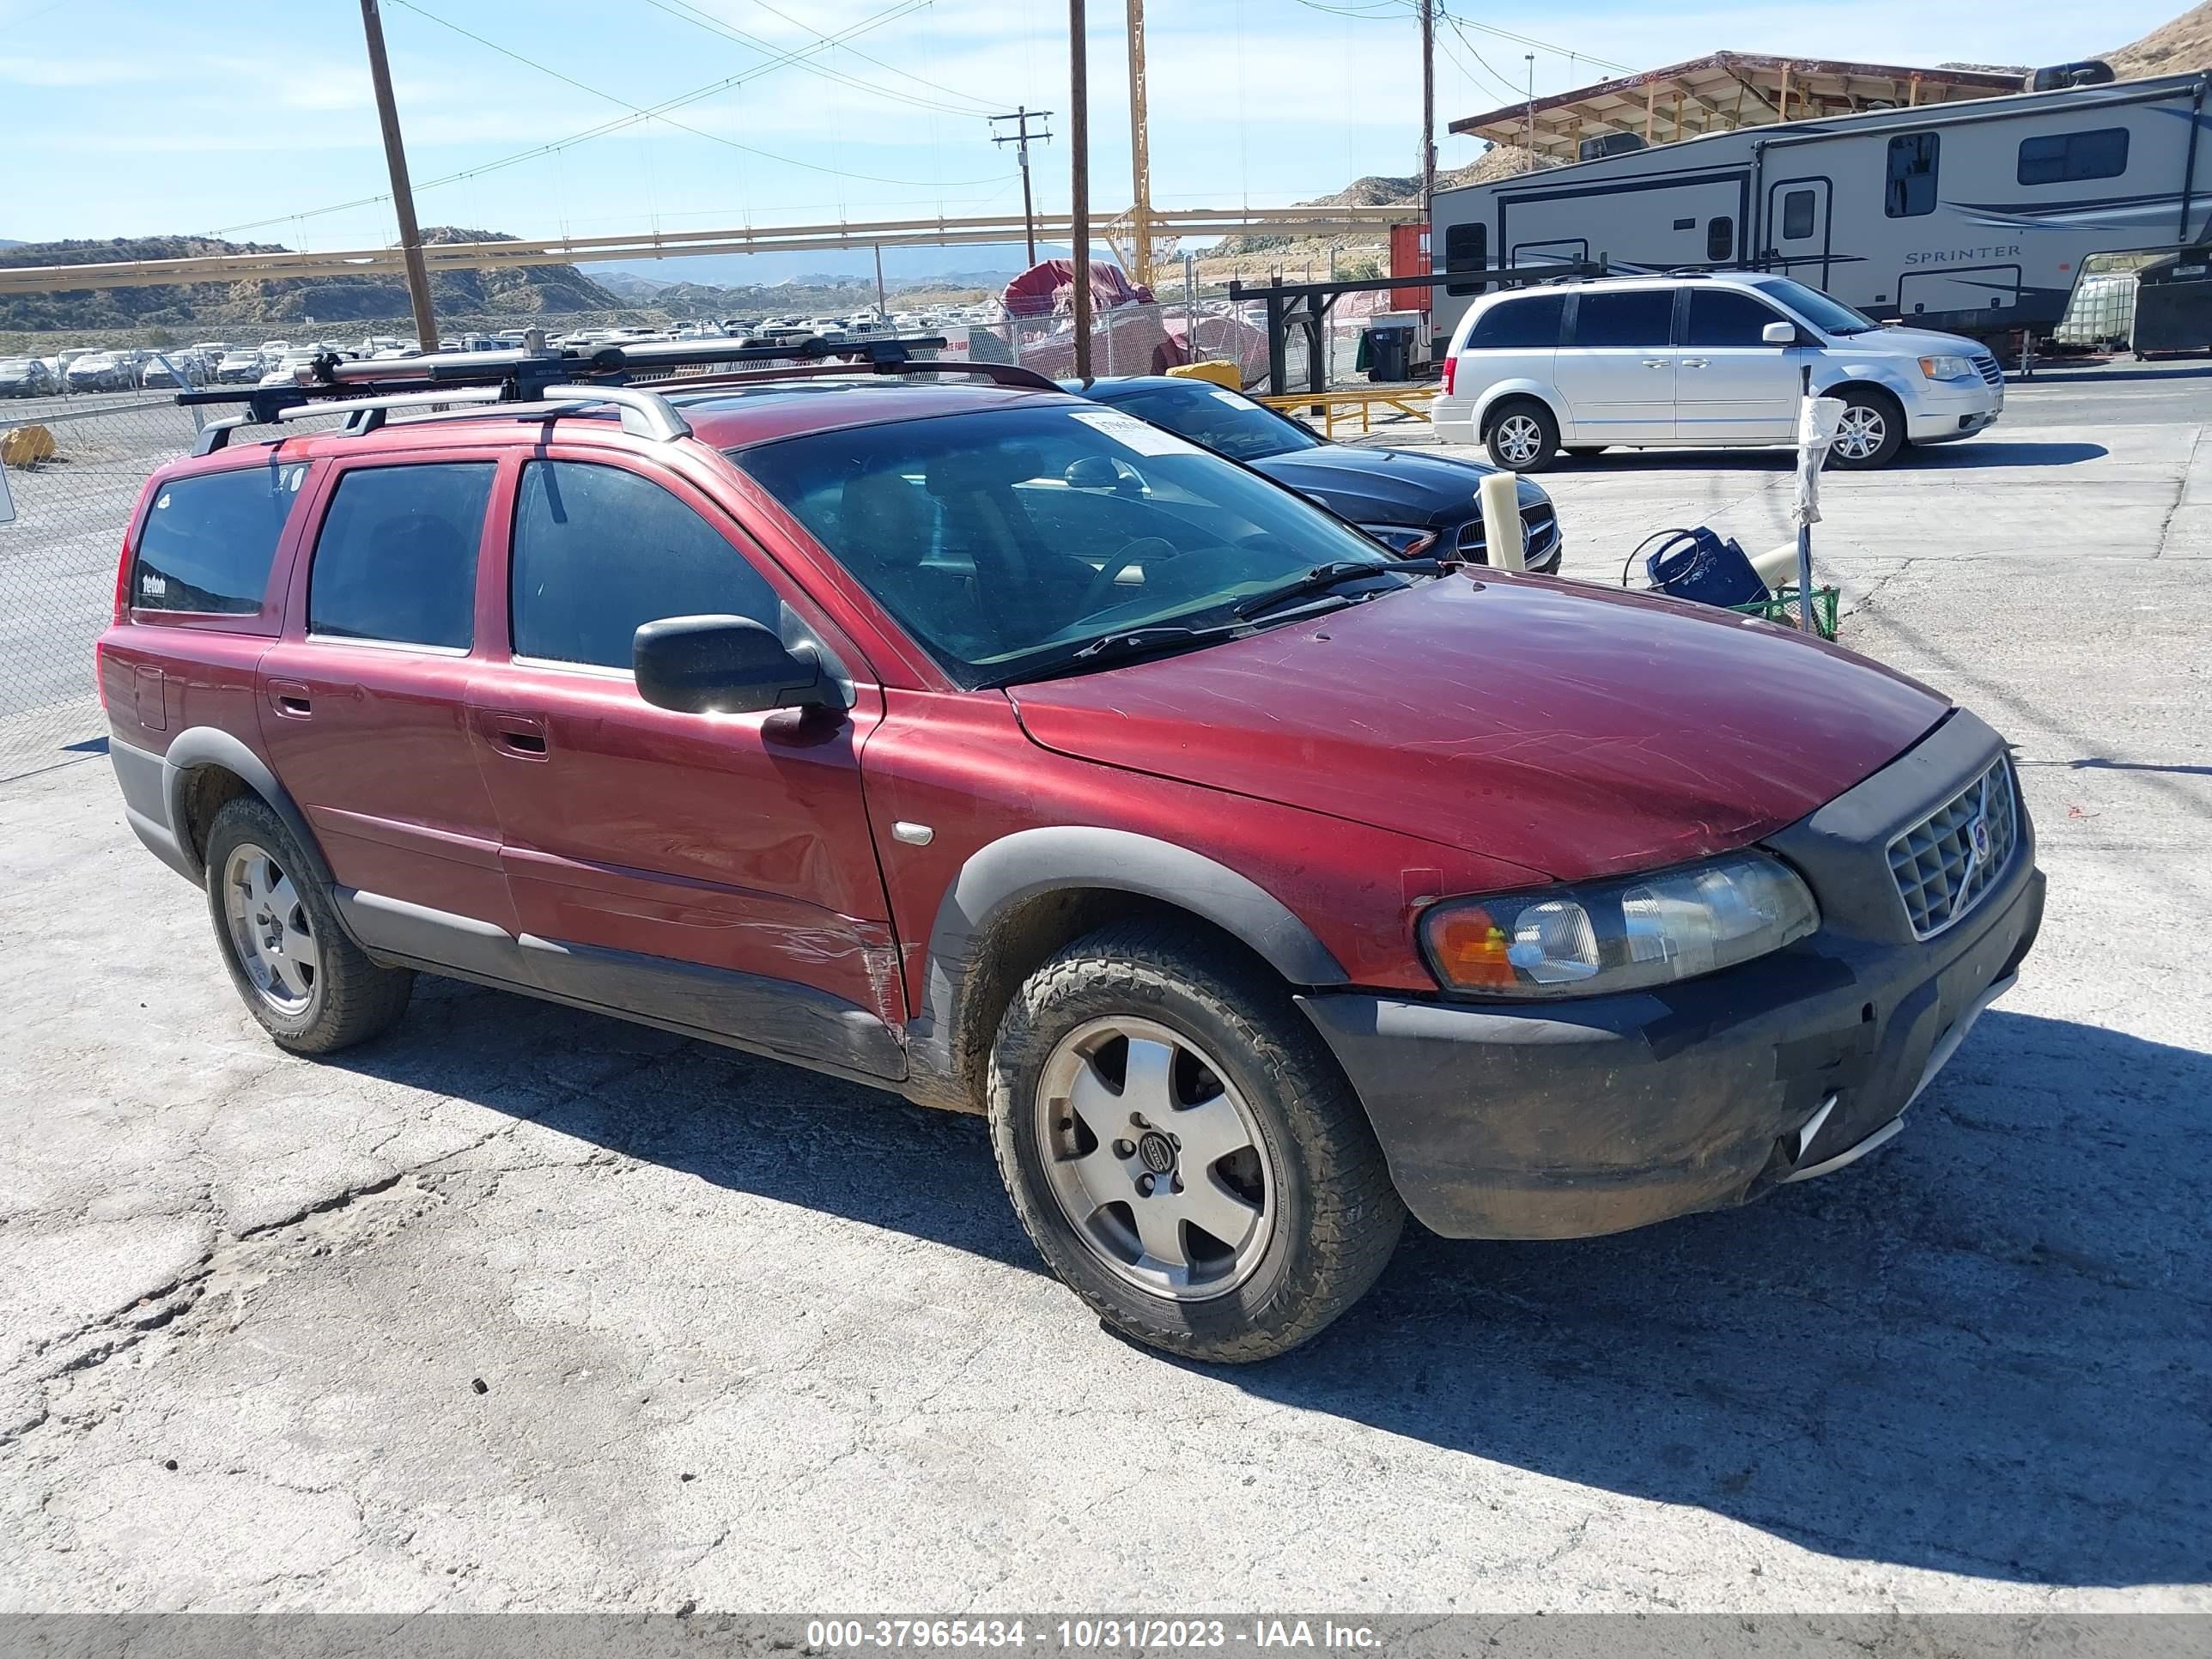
(540, 381)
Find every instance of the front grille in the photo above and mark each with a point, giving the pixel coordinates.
(1990, 371)
(1540, 526)
(1947, 861)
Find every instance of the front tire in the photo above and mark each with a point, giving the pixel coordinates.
(1872, 431)
(314, 989)
(1182, 1149)
(1521, 436)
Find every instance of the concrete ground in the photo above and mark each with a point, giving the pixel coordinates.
(521, 1309)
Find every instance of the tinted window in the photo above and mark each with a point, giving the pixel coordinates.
(1720, 238)
(1725, 317)
(1798, 215)
(397, 558)
(1467, 247)
(1533, 321)
(1911, 190)
(599, 551)
(208, 541)
(2066, 156)
(1635, 317)
(1227, 423)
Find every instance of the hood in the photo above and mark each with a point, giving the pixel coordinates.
(1389, 486)
(1916, 343)
(1573, 730)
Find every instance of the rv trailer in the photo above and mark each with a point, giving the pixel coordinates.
(1972, 217)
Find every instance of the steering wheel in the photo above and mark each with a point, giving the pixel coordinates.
(1158, 548)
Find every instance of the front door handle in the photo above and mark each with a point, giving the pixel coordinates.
(291, 699)
(1654, 363)
(1696, 362)
(521, 736)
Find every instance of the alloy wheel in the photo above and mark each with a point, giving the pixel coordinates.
(270, 930)
(1154, 1158)
(1520, 440)
(1861, 433)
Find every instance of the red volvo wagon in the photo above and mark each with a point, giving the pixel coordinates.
(973, 741)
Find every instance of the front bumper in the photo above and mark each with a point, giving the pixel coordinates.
(1954, 411)
(1602, 1114)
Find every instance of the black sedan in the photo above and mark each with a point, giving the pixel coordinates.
(1411, 502)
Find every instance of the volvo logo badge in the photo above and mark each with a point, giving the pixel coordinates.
(1977, 838)
(1157, 1152)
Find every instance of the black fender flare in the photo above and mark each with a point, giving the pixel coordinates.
(1029, 864)
(208, 746)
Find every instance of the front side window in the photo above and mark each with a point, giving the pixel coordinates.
(1911, 190)
(1519, 323)
(208, 541)
(1726, 317)
(1633, 317)
(599, 552)
(397, 558)
(1227, 423)
(1005, 540)
(2063, 157)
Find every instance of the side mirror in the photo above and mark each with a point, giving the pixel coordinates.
(723, 665)
(1091, 472)
(1781, 334)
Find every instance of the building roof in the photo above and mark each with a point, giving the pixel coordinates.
(1719, 93)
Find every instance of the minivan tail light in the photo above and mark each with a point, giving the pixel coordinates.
(1451, 372)
(123, 582)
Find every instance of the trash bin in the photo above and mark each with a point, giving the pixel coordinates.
(1390, 352)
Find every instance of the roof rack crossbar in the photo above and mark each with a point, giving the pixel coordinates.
(1007, 374)
(644, 414)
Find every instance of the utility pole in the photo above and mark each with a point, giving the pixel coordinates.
(1428, 107)
(402, 193)
(882, 302)
(1020, 137)
(1140, 149)
(1078, 195)
(1529, 58)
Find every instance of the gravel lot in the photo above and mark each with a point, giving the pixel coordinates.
(521, 1309)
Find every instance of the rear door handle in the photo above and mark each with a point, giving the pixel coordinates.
(520, 736)
(1654, 363)
(1696, 362)
(291, 699)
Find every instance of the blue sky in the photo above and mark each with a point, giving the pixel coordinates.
(131, 117)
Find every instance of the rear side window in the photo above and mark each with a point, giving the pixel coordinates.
(397, 558)
(1635, 317)
(1726, 317)
(1530, 322)
(1467, 247)
(599, 551)
(208, 541)
(2063, 157)
(1911, 189)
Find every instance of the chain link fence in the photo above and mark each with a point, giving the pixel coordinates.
(73, 468)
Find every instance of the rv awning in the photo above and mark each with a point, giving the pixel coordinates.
(1727, 90)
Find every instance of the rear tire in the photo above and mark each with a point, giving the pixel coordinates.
(1152, 1093)
(1872, 432)
(314, 989)
(1521, 436)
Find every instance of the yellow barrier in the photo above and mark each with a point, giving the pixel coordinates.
(1343, 403)
(21, 446)
(1218, 370)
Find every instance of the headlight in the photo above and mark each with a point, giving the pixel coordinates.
(1403, 539)
(1948, 368)
(1618, 935)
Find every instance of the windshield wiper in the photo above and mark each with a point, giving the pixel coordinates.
(1322, 577)
(1124, 646)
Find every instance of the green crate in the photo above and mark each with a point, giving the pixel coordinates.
(1781, 608)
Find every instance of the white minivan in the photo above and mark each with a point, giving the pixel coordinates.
(1700, 360)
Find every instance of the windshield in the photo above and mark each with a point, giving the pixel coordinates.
(1830, 316)
(1228, 422)
(1004, 540)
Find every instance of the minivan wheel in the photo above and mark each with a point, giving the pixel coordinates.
(1871, 432)
(1522, 436)
(1183, 1150)
(313, 988)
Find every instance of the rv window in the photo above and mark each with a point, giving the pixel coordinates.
(1727, 317)
(2065, 156)
(1629, 317)
(1532, 321)
(1911, 188)
(1720, 238)
(1798, 215)
(1467, 247)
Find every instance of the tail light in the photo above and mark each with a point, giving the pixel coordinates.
(123, 582)
(1451, 373)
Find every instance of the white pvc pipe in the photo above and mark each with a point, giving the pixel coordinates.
(1503, 533)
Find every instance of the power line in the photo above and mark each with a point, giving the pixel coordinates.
(870, 58)
(556, 146)
(713, 24)
(697, 132)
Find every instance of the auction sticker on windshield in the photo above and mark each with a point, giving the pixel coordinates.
(1127, 429)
